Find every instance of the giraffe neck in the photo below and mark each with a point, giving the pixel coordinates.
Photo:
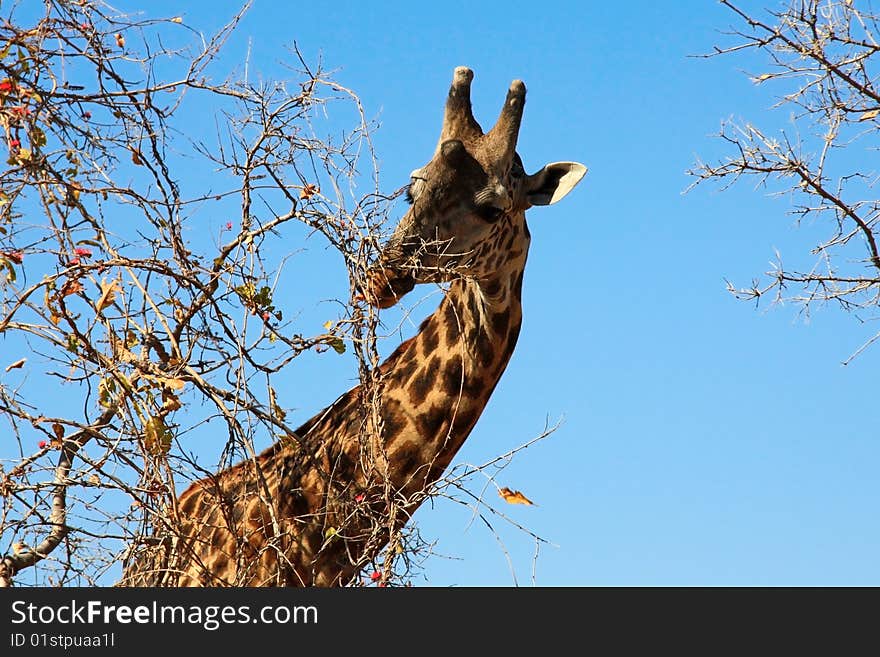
(434, 387)
(438, 382)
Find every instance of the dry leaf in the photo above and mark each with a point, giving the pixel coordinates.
(17, 364)
(762, 77)
(167, 383)
(308, 191)
(514, 496)
(174, 384)
(170, 401)
(136, 158)
(177, 19)
(871, 114)
(71, 287)
(58, 430)
(94, 480)
(108, 294)
(120, 40)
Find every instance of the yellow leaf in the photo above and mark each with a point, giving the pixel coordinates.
(108, 294)
(328, 324)
(762, 77)
(94, 479)
(73, 191)
(514, 496)
(177, 19)
(106, 391)
(870, 114)
(157, 436)
(17, 364)
(330, 533)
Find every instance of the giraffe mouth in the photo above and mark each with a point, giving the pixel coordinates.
(386, 286)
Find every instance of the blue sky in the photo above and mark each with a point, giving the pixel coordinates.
(703, 441)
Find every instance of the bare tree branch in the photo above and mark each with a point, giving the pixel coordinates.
(823, 55)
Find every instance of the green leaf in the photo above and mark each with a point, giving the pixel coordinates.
(23, 62)
(38, 138)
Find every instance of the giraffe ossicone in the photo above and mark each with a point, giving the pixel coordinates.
(364, 464)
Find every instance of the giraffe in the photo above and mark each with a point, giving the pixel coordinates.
(302, 513)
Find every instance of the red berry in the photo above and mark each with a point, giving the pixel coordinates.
(359, 497)
(228, 225)
(14, 143)
(375, 575)
(87, 115)
(41, 444)
(84, 253)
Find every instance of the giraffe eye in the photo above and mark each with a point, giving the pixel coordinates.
(488, 212)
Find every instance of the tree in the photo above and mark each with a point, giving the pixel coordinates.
(153, 330)
(823, 55)
(144, 312)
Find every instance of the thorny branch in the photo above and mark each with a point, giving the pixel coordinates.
(822, 55)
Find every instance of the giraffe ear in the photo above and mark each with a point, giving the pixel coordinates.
(553, 182)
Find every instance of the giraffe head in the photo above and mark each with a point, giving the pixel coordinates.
(467, 214)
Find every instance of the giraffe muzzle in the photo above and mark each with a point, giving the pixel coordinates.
(386, 286)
